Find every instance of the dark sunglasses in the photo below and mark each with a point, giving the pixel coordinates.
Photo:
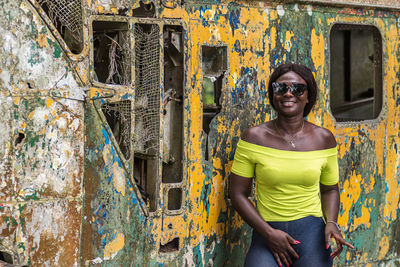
(296, 89)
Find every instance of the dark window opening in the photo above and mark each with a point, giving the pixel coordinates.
(145, 174)
(66, 16)
(6, 257)
(170, 246)
(118, 116)
(140, 176)
(214, 64)
(174, 199)
(144, 10)
(356, 72)
(20, 138)
(214, 60)
(147, 109)
(111, 48)
(172, 157)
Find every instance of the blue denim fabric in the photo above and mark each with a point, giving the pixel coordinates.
(312, 252)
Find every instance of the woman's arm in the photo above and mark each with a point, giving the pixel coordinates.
(278, 241)
(330, 199)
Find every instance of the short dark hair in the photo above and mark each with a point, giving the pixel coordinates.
(304, 73)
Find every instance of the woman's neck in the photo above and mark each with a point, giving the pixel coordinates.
(290, 125)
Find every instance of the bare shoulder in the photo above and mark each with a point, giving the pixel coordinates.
(255, 134)
(251, 133)
(323, 136)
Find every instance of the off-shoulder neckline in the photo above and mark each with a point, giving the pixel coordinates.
(290, 151)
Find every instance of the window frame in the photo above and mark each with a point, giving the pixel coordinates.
(379, 95)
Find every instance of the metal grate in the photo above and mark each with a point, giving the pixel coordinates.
(118, 115)
(147, 98)
(66, 12)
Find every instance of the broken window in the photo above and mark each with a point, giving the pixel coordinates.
(173, 105)
(356, 72)
(140, 175)
(118, 116)
(111, 50)
(147, 108)
(171, 246)
(172, 168)
(174, 198)
(144, 10)
(66, 16)
(6, 257)
(214, 64)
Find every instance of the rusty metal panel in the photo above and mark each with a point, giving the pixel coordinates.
(366, 3)
(7, 186)
(65, 180)
(115, 226)
(42, 145)
(48, 163)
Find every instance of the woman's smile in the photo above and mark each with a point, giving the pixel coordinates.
(288, 103)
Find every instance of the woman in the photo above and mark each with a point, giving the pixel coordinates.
(295, 165)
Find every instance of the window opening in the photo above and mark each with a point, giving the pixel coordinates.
(111, 50)
(66, 16)
(214, 64)
(140, 176)
(356, 72)
(174, 199)
(147, 107)
(118, 116)
(6, 257)
(172, 169)
(20, 138)
(171, 246)
(144, 10)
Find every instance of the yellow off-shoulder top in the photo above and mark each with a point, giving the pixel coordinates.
(287, 181)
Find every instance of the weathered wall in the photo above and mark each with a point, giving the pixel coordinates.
(367, 3)
(41, 143)
(66, 182)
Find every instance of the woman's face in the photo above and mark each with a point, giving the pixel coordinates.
(288, 104)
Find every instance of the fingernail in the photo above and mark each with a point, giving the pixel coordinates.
(327, 246)
(297, 242)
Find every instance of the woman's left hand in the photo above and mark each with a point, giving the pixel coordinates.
(332, 231)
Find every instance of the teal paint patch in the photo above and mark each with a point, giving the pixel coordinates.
(35, 57)
(198, 256)
(56, 50)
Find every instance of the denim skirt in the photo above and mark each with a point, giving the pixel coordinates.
(311, 250)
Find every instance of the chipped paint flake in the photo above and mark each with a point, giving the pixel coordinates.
(118, 178)
(112, 248)
(309, 10)
(280, 10)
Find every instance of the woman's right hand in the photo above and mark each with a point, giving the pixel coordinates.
(280, 245)
(279, 242)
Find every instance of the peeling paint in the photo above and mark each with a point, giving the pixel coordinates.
(65, 181)
(112, 248)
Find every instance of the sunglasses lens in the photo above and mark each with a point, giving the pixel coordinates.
(279, 88)
(297, 89)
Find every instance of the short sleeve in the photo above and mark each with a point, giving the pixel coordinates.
(330, 172)
(243, 165)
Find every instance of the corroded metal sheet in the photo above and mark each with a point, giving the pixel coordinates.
(68, 193)
(42, 144)
(366, 3)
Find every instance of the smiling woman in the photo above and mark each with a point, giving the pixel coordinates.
(293, 162)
